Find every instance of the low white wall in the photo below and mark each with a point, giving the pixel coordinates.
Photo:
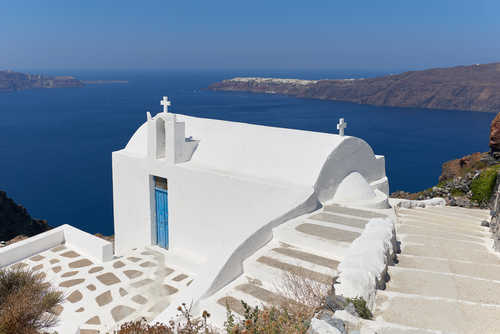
(90, 245)
(31, 246)
(97, 248)
(410, 204)
(364, 268)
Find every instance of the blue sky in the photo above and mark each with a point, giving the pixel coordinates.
(355, 34)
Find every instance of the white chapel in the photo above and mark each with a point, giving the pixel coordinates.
(215, 189)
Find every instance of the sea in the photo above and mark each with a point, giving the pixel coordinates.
(56, 144)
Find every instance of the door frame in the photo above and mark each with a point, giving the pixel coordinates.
(154, 229)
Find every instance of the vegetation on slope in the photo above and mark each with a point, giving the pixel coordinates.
(483, 186)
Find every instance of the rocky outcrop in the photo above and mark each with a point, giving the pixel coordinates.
(466, 182)
(460, 167)
(475, 88)
(495, 136)
(15, 220)
(12, 81)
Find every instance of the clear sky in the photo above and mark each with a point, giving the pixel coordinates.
(226, 34)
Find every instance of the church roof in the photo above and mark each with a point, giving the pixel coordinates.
(292, 156)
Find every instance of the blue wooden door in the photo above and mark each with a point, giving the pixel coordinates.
(161, 196)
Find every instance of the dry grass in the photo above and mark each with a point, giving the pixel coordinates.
(300, 299)
(304, 292)
(26, 302)
(268, 320)
(185, 323)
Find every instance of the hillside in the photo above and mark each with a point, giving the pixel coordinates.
(15, 220)
(474, 88)
(13, 81)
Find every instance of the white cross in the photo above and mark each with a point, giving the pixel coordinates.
(341, 126)
(165, 103)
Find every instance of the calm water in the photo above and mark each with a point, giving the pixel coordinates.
(55, 145)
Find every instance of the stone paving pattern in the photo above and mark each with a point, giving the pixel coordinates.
(99, 295)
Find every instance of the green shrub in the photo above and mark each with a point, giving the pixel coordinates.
(482, 187)
(457, 192)
(361, 308)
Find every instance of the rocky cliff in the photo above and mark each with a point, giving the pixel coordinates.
(495, 136)
(15, 220)
(12, 81)
(474, 88)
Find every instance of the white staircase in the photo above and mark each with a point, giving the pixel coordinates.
(447, 279)
(311, 247)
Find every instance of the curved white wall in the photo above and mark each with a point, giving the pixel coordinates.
(354, 188)
(353, 155)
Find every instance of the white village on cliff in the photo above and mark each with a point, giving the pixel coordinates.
(210, 212)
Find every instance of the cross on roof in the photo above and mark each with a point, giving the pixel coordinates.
(165, 103)
(341, 126)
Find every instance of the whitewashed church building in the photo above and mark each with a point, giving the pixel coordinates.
(203, 205)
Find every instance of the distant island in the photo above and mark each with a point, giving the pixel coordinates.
(472, 88)
(104, 82)
(13, 81)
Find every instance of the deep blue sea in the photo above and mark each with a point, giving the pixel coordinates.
(56, 144)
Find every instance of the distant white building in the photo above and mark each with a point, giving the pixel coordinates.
(214, 189)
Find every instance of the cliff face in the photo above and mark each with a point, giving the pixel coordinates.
(15, 220)
(495, 135)
(12, 81)
(474, 88)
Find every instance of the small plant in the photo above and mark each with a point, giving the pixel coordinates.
(360, 307)
(457, 192)
(267, 320)
(185, 323)
(301, 293)
(27, 303)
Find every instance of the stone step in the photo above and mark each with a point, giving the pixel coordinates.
(91, 330)
(312, 242)
(339, 220)
(398, 329)
(233, 304)
(327, 233)
(472, 269)
(446, 225)
(353, 212)
(265, 296)
(435, 241)
(440, 217)
(439, 314)
(478, 256)
(335, 225)
(444, 222)
(477, 213)
(410, 229)
(453, 213)
(450, 286)
(305, 256)
(274, 271)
